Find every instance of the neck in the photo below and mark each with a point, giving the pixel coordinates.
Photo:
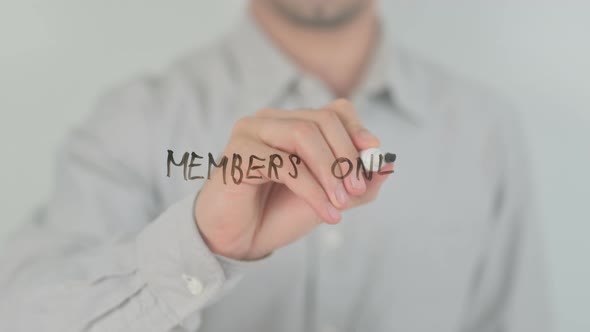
(338, 56)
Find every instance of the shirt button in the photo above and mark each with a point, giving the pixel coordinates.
(329, 328)
(194, 285)
(332, 239)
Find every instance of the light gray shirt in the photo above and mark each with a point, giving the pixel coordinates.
(450, 244)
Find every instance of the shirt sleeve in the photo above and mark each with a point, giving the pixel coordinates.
(510, 290)
(101, 255)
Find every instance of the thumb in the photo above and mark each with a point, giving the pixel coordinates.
(373, 185)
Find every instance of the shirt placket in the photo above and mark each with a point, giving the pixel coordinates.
(325, 242)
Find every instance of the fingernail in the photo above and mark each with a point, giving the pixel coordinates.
(357, 182)
(333, 212)
(341, 195)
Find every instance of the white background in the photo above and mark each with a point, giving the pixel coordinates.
(56, 56)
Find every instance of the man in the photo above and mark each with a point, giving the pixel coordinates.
(446, 243)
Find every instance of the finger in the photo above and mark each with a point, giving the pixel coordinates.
(335, 135)
(278, 166)
(361, 137)
(304, 139)
(373, 185)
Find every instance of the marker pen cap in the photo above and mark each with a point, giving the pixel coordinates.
(375, 153)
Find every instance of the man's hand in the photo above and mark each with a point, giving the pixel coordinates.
(250, 220)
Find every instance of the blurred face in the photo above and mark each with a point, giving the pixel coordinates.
(320, 13)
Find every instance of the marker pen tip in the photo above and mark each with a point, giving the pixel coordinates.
(389, 157)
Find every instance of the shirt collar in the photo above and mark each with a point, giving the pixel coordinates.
(263, 71)
(397, 73)
(266, 74)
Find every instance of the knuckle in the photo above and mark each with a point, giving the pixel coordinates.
(343, 104)
(238, 141)
(328, 116)
(304, 129)
(241, 125)
(266, 111)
